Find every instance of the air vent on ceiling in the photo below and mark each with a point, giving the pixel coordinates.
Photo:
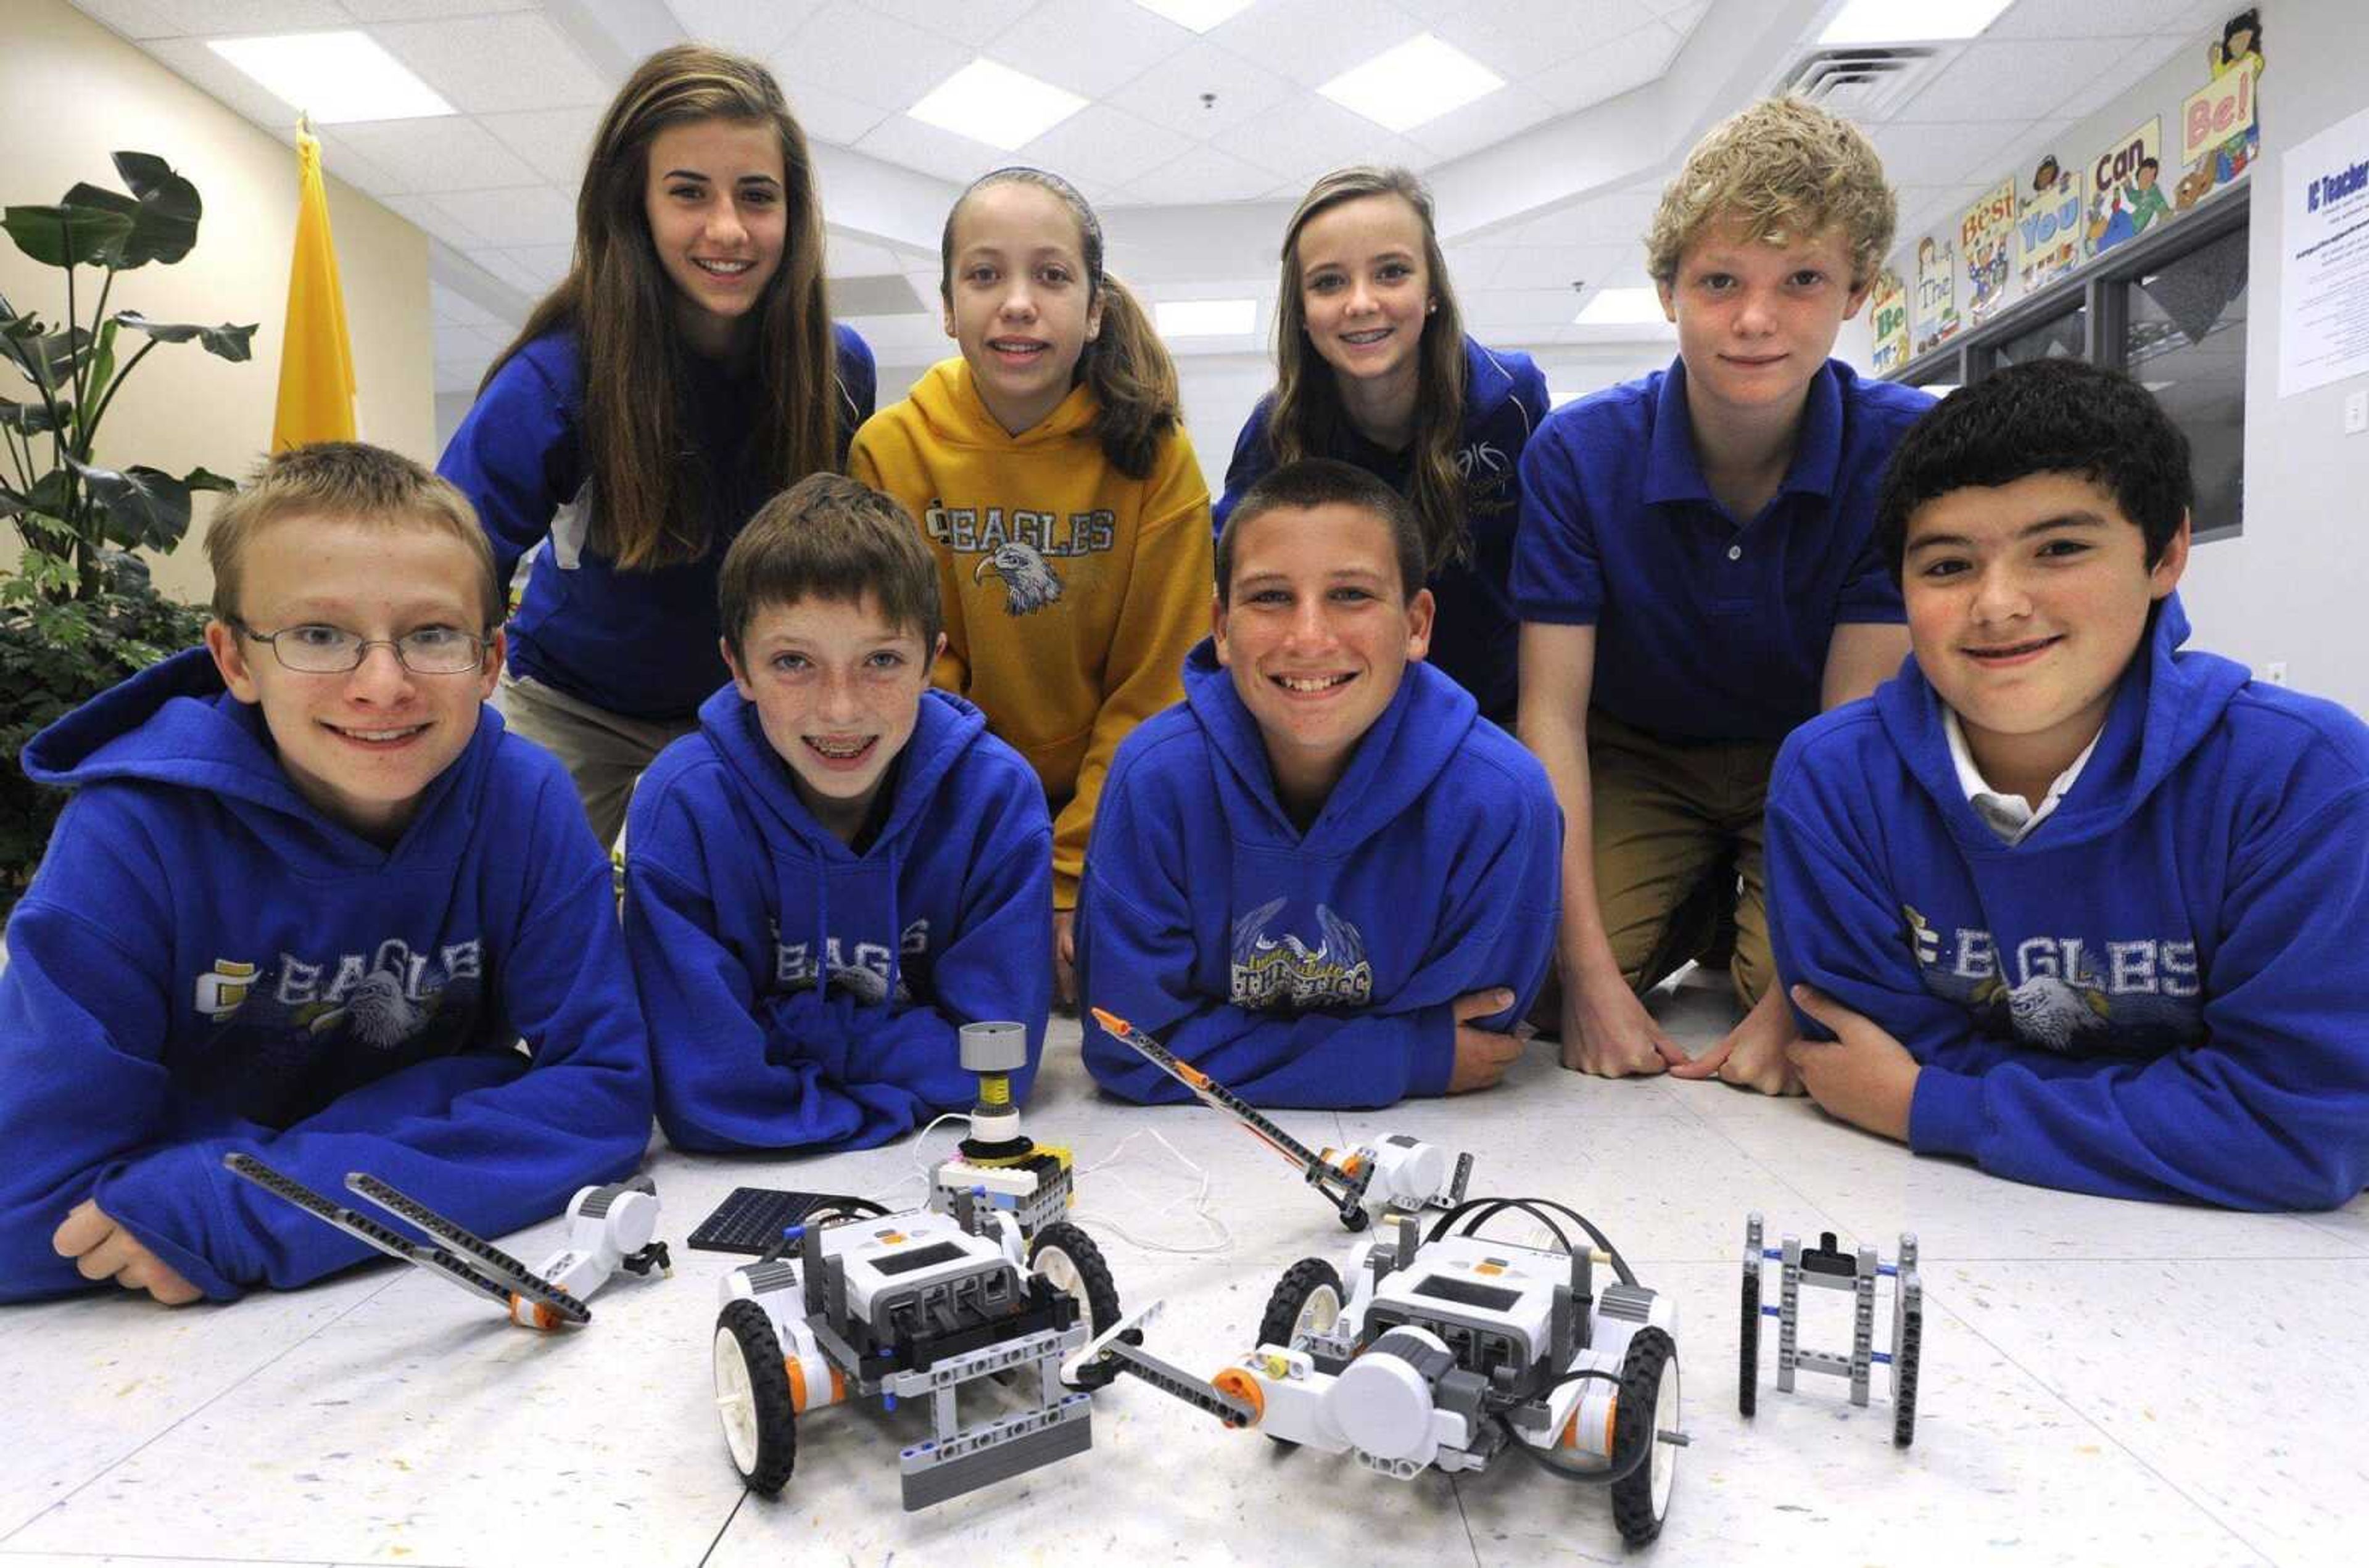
(1862, 83)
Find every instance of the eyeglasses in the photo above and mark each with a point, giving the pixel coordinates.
(332, 650)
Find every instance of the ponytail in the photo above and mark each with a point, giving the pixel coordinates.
(1127, 368)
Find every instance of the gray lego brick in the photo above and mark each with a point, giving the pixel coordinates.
(929, 1479)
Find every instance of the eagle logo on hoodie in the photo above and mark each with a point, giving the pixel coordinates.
(1283, 971)
(1029, 583)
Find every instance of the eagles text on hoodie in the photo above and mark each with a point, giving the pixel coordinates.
(2157, 993)
(801, 995)
(1314, 968)
(206, 963)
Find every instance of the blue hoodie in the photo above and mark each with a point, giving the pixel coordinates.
(1475, 632)
(206, 963)
(1314, 968)
(733, 889)
(638, 643)
(2158, 993)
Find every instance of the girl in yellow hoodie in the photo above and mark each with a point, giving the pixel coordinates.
(1049, 469)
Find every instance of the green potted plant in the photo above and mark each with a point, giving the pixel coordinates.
(79, 613)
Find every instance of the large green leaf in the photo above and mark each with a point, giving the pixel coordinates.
(45, 359)
(234, 343)
(202, 479)
(29, 419)
(68, 235)
(46, 499)
(143, 506)
(167, 226)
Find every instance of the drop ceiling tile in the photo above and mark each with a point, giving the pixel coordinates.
(1618, 66)
(823, 112)
(2010, 81)
(1484, 122)
(450, 307)
(448, 152)
(2098, 18)
(1311, 136)
(133, 18)
(915, 338)
(1204, 174)
(1686, 19)
(752, 29)
(427, 10)
(210, 73)
(977, 23)
(505, 268)
(1105, 146)
(424, 215)
(871, 58)
(1171, 94)
(1944, 154)
(1311, 41)
(496, 64)
(228, 19)
(901, 139)
(1557, 266)
(1519, 37)
(1474, 266)
(547, 264)
(1612, 218)
(1088, 46)
(554, 141)
(521, 215)
(847, 256)
(455, 379)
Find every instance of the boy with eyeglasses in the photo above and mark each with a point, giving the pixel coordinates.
(306, 901)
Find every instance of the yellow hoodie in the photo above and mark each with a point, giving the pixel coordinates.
(1072, 593)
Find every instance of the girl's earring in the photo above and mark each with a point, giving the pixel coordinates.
(1431, 309)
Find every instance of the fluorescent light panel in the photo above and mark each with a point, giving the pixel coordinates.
(1206, 318)
(1622, 307)
(996, 105)
(1418, 81)
(1904, 21)
(1199, 15)
(333, 77)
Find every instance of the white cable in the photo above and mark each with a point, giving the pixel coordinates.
(923, 1165)
(1199, 1200)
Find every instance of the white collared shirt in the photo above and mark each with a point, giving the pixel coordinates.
(2010, 816)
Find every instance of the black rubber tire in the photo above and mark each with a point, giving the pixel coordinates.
(768, 1384)
(1093, 1272)
(1632, 1424)
(1747, 1342)
(1291, 1295)
(1904, 1376)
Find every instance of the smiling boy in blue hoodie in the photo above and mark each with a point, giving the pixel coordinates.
(304, 903)
(1323, 879)
(2063, 900)
(841, 867)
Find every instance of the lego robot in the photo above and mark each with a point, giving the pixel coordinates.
(1826, 1265)
(1393, 1174)
(982, 1281)
(1448, 1349)
(609, 1229)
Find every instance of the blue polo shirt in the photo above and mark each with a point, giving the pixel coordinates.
(1707, 629)
(1474, 632)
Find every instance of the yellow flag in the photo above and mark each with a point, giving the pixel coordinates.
(317, 360)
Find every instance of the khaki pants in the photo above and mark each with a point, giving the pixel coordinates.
(604, 752)
(1676, 825)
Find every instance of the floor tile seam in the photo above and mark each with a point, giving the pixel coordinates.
(2097, 1425)
(111, 1466)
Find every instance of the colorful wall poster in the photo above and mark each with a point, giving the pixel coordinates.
(2048, 225)
(1937, 292)
(2220, 133)
(1888, 315)
(2125, 193)
(1987, 239)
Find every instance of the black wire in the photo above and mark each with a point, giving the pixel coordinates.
(1533, 1207)
(1607, 1477)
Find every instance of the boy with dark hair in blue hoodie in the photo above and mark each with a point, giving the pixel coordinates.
(1323, 879)
(841, 867)
(2062, 898)
(304, 903)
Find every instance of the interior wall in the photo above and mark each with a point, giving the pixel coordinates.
(82, 93)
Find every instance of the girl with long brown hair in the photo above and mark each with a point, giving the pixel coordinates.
(686, 371)
(1372, 367)
(1051, 470)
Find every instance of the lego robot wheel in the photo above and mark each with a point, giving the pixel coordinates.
(1306, 1301)
(1068, 1257)
(1747, 1340)
(753, 1397)
(1904, 1375)
(1649, 1404)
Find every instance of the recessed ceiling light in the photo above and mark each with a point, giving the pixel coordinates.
(1420, 80)
(1199, 15)
(1206, 318)
(334, 78)
(1622, 307)
(996, 105)
(1903, 21)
